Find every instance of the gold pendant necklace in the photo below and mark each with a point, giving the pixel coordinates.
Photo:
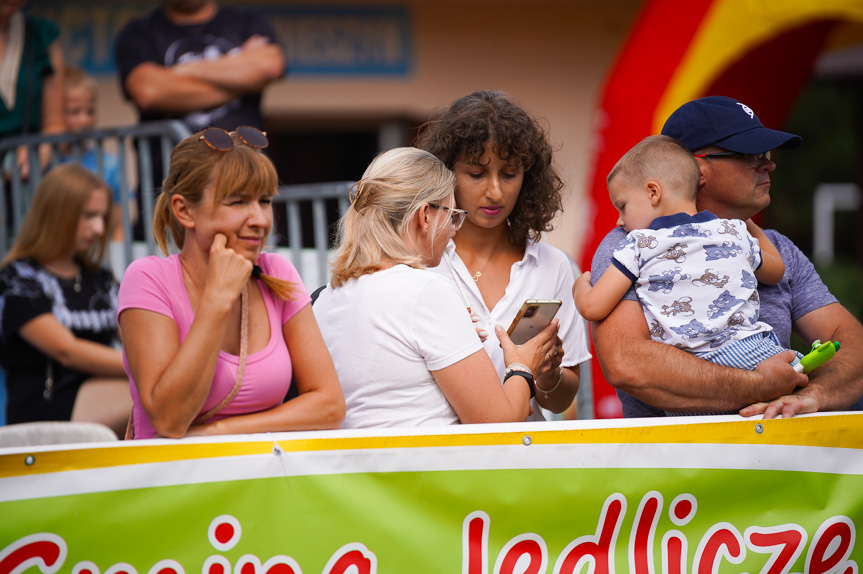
(478, 273)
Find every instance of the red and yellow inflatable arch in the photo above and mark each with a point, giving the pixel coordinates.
(758, 51)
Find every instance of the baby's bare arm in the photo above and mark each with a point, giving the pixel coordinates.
(772, 267)
(595, 303)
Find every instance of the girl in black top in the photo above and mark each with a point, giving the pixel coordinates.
(58, 308)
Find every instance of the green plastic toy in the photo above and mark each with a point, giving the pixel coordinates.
(820, 354)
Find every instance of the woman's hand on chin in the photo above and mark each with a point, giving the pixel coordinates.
(228, 271)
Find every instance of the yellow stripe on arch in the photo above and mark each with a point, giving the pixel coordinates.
(729, 30)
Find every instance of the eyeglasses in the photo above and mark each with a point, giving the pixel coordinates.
(221, 140)
(457, 215)
(754, 160)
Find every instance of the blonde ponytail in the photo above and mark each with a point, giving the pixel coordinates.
(285, 290)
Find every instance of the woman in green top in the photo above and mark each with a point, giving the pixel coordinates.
(31, 79)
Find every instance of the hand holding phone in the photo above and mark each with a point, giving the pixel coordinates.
(533, 317)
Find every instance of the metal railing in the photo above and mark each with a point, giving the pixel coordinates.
(312, 261)
(117, 140)
(291, 239)
(301, 232)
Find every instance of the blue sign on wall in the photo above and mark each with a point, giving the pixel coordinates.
(366, 41)
(319, 41)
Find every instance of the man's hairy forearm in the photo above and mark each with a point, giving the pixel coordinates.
(154, 87)
(247, 71)
(667, 377)
(670, 379)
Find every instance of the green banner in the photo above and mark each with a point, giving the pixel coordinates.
(679, 498)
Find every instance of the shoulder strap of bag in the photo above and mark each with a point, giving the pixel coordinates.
(244, 348)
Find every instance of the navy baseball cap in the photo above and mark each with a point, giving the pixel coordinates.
(727, 123)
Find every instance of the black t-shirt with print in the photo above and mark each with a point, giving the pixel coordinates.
(89, 311)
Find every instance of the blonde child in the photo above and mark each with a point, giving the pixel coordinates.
(696, 275)
(80, 116)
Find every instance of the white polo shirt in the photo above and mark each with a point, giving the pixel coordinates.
(545, 272)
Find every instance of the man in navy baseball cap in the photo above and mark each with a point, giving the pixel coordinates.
(733, 151)
(726, 123)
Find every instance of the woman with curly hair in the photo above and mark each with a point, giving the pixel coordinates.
(506, 182)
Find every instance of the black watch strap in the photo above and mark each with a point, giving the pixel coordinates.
(527, 377)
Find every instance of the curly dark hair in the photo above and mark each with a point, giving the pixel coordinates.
(461, 131)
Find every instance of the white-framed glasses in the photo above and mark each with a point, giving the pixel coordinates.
(457, 215)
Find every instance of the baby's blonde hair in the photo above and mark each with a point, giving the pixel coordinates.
(663, 159)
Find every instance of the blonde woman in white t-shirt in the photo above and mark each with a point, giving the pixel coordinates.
(405, 350)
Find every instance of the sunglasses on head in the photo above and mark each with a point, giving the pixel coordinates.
(222, 140)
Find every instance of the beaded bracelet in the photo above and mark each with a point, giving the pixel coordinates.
(554, 388)
(518, 367)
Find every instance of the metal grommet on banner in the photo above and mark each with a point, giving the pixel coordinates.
(526, 440)
(30, 460)
(759, 428)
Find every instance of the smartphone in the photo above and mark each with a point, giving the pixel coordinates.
(533, 317)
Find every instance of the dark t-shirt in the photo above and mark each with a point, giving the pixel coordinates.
(800, 291)
(155, 39)
(28, 291)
